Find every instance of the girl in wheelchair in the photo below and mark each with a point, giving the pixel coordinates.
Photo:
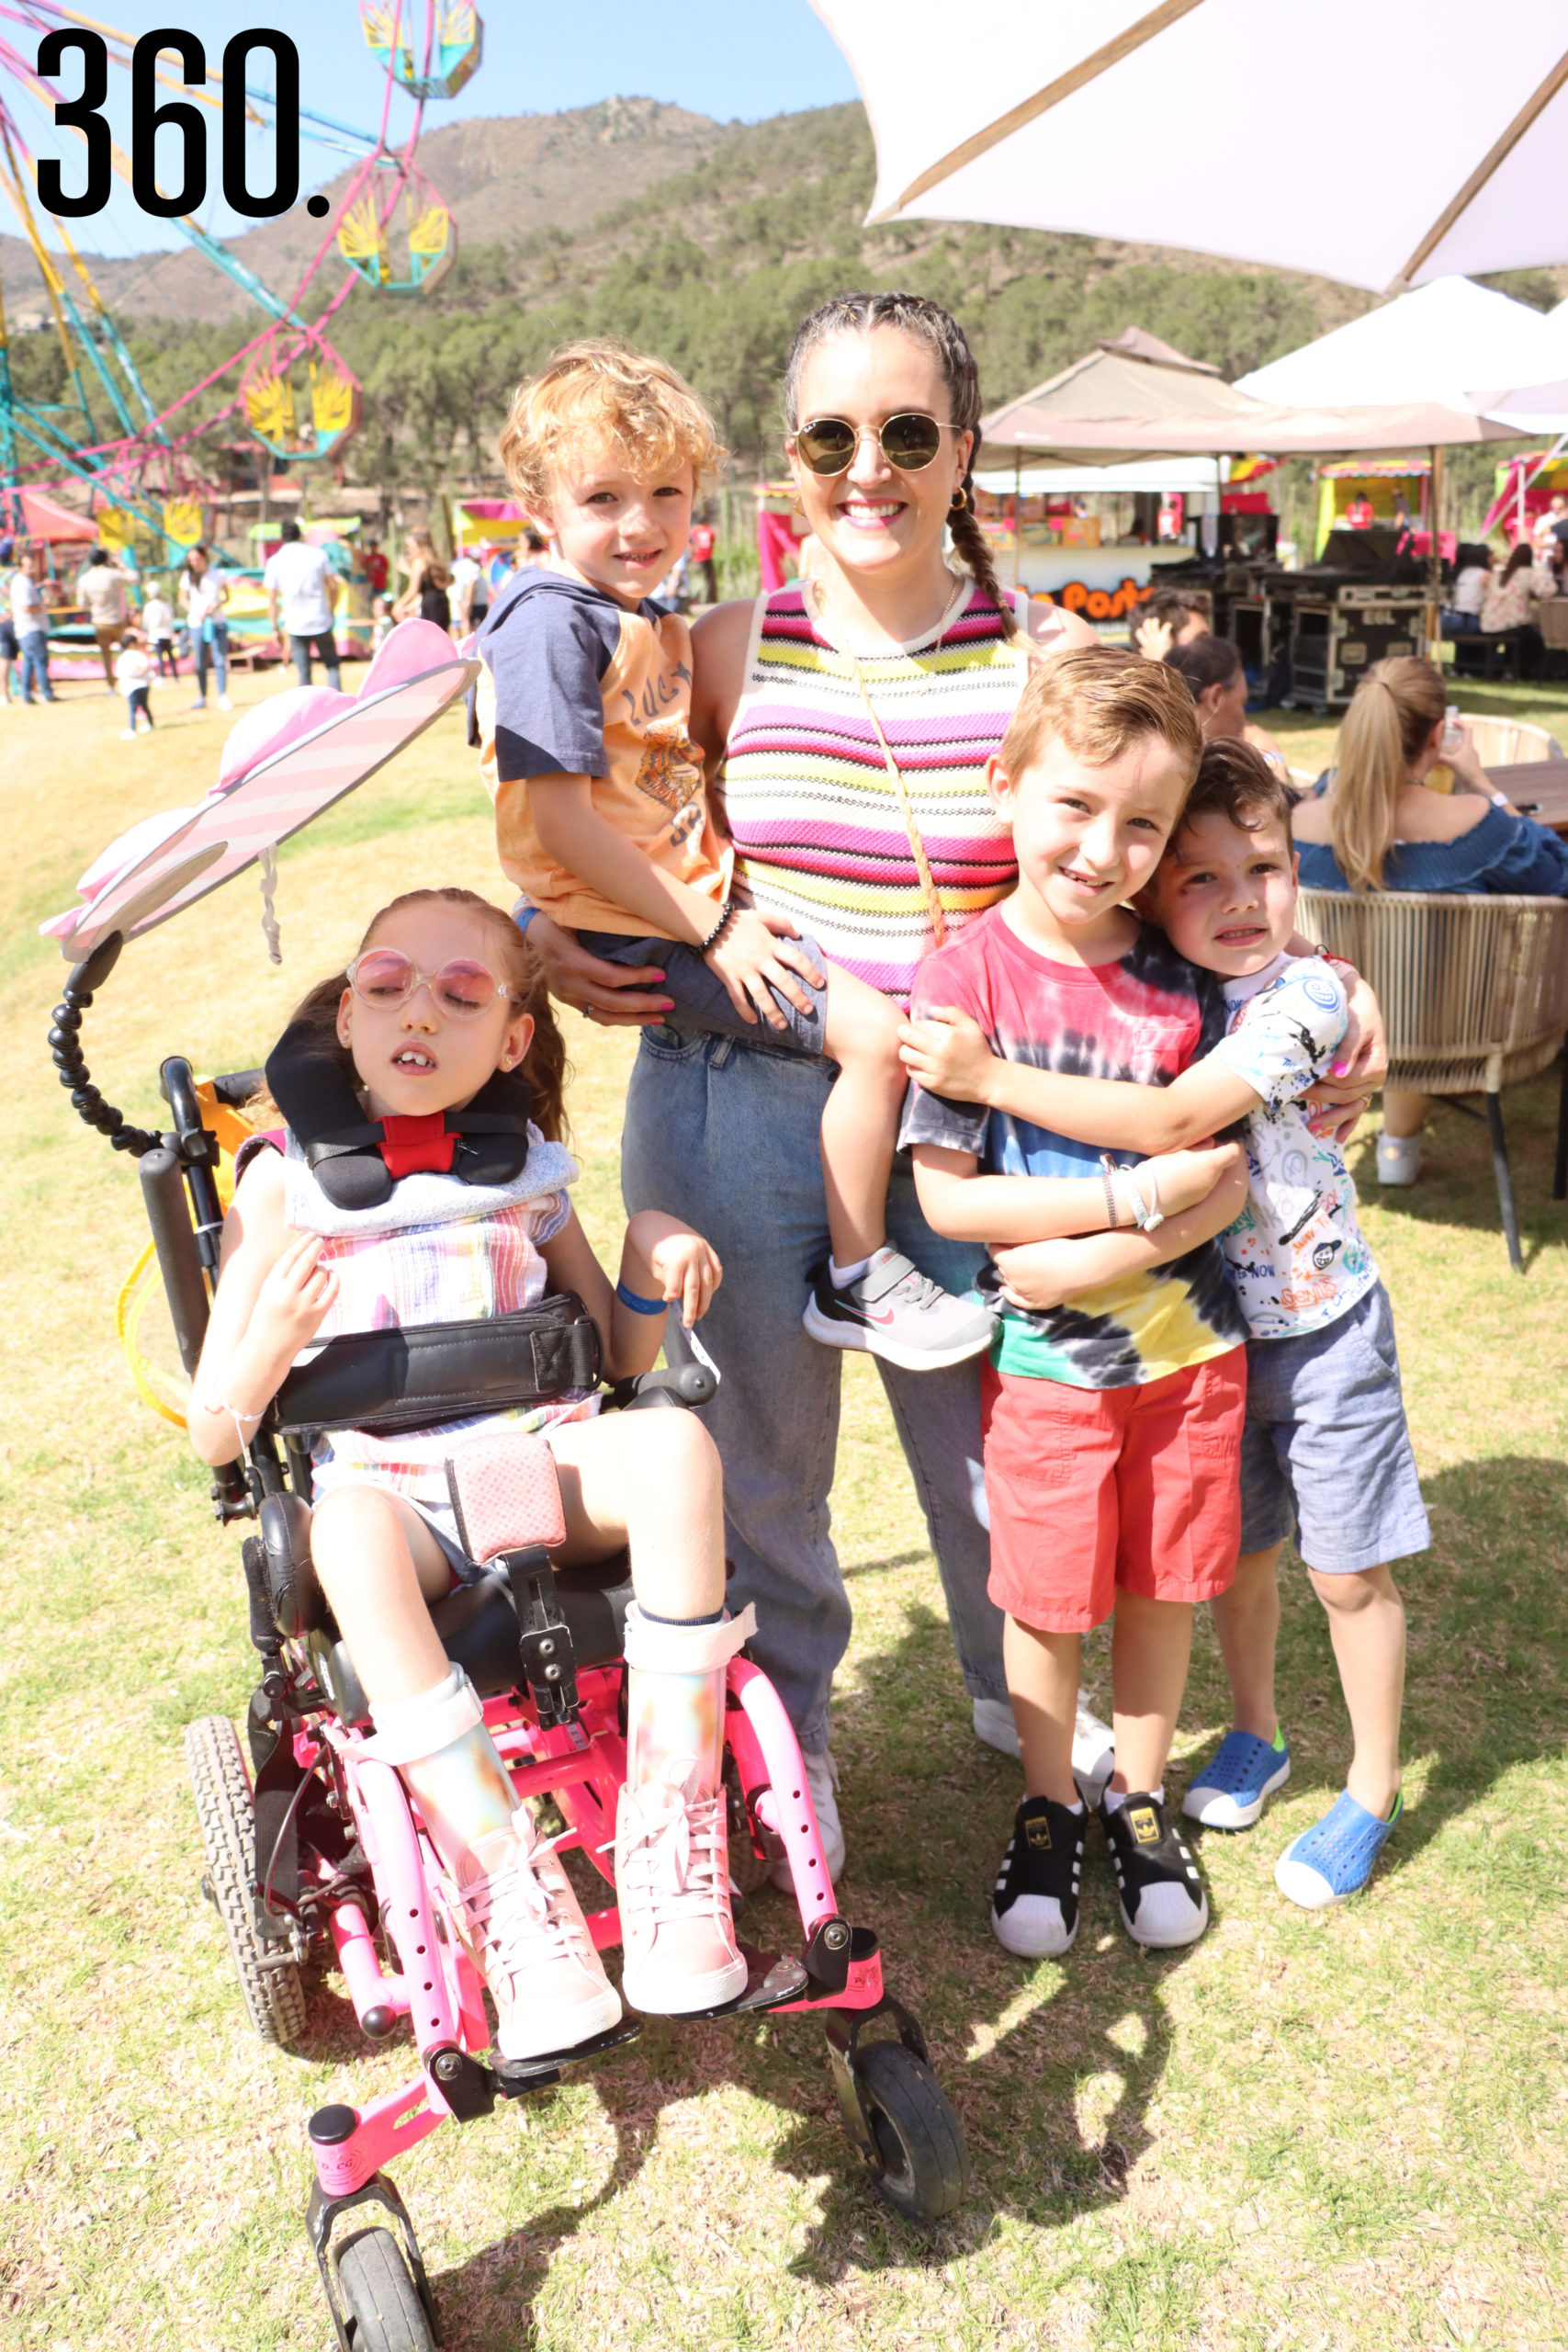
(442, 994)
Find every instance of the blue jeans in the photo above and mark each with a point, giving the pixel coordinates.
(211, 654)
(32, 649)
(725, 1136)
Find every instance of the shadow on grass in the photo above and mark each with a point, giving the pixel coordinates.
(1487, 1609)
(1051, 2068)
(1457, 1185)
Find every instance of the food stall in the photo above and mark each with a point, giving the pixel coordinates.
(1092, 537)
(1363, 494)
(1523, 488)
(1090, 532)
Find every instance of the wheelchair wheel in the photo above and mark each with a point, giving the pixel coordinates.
(269, 1978)
(385, 2312)
(926, 2164)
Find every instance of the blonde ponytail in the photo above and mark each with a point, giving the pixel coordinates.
(1386, 730)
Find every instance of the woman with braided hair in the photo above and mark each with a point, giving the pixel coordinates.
(847, 721)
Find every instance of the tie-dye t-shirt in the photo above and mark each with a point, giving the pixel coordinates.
(1143, 1019)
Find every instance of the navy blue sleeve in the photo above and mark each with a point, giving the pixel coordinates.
(1532, 862)
(548, 658)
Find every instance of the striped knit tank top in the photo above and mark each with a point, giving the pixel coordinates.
(819, 831)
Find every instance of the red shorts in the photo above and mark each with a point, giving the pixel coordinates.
(1095, 1488)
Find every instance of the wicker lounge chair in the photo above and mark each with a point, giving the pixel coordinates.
(1474, 995)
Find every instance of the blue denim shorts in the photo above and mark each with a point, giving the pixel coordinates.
(1326, 1454)
(702, 1000)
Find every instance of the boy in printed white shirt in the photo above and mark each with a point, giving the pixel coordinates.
(1326, 1455)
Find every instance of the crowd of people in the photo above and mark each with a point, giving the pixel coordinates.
(953, 936)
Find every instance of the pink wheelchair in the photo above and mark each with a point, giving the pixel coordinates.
(314, 1851)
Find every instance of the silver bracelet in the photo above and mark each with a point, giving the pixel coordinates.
(1147, 1218)
(1107, 1170)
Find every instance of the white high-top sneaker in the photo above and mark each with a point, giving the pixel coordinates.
(522, 1927)
(673, 1883)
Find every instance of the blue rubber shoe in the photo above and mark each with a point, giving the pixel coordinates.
(1233, 1787)
(1333, 1858)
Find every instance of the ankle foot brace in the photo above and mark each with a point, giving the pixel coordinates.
(655, 1646)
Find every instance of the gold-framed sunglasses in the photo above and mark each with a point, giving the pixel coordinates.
(384, 978)
(909, 441)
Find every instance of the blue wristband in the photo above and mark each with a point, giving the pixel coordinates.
(639, 1306)
(523, 914)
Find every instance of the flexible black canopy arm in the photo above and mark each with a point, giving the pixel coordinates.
(65, 1048)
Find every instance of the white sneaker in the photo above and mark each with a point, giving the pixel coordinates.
(895, 1312)
(1094, 1744)
(224, 702)
(1399, 1158)
(522, 1927)
(1094, 1755)
(672, 1886)
(822, 1779)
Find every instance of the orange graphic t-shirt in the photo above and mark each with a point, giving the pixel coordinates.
(573, 683)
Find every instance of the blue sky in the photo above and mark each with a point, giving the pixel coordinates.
(761, 57)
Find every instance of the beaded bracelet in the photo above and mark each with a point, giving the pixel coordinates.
(716, 933)
(1107, 1169)
(639, 1306)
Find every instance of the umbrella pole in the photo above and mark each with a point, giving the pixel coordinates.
(1435, 567)
(1017, 482)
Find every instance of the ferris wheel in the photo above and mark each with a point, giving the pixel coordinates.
(287, 384)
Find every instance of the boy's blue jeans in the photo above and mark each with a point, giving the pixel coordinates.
(725, 1136)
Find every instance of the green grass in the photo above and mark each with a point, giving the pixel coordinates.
(1336, 2130)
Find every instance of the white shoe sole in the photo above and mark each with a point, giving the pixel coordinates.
(1217, 1809)
(850, 1336)
(563, 2030)
(710, 1992)
(1168, 1942)
(1009, 1932)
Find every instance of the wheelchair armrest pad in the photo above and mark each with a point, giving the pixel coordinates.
(419, 1374)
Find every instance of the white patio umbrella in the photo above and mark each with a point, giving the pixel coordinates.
(1435, 343)
(1425, 138)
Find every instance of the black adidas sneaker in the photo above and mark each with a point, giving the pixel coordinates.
(1163, 1901)
(1035, 1909)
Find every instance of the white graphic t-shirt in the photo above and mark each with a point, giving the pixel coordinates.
(1296, 1253)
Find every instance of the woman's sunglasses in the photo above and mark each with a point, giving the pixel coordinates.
(383, 979)
(909, 442)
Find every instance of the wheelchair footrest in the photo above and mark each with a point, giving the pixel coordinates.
(773, 1980)
(515, 2077)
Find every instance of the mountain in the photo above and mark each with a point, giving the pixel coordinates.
(701, 241)
(504, 177)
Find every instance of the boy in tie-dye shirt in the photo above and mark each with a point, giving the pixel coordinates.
(1113, 1426)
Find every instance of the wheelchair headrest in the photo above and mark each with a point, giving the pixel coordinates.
(358, 1161)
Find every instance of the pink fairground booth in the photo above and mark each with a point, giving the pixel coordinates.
(315, 1850)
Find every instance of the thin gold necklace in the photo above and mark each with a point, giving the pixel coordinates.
(929, 889)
